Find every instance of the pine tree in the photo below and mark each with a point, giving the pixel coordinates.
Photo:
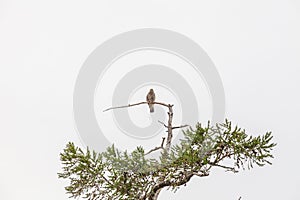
(114, 174)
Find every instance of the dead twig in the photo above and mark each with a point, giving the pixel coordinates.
(182, 126)
(163, 124)
(136, 104)
(157, 148)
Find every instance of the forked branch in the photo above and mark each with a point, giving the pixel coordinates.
(157, 148)
(168, 126)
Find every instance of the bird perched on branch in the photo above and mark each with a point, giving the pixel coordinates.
(150, 99)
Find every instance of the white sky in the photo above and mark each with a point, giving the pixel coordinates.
(255, 46)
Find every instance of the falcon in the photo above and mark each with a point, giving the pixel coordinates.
(150, 99)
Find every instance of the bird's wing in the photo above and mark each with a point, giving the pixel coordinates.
(150, 97)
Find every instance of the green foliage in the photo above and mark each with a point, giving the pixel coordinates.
(121, 175)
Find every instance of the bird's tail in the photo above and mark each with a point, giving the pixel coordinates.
(151, 106)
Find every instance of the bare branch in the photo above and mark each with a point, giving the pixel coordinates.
(170, 114)
(157, 148)
(129, 105)
(136, 104)
(222, 166)
(170, 134)
(182, 126)
(163, 124)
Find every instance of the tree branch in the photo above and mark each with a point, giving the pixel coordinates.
(170, 114)
(222, 166)
(156, 189)
(182, 126)
(170, 134)
(136, 104)
(157, 148)
(200, 175)
(163, 124)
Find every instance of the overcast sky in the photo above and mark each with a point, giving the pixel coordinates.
(255, 46)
